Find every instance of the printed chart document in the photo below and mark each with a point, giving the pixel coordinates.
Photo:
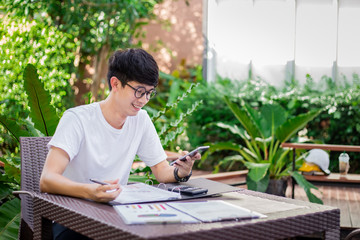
(141, 192)
(152, 213)
(184, 212)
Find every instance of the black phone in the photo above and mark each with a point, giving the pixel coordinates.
(194, 152)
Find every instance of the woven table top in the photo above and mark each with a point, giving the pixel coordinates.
(285, 218)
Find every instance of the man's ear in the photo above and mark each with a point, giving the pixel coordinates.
(115, 83)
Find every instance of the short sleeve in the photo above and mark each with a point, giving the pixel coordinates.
(150, 150)
(68, 135)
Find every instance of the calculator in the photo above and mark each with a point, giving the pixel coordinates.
(188, 190)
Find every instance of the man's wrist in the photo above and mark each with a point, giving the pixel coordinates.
(181, 179)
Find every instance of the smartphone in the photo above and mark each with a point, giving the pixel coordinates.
(191, 154)
(194, 152)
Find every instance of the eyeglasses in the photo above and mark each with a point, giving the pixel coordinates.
(140, 91)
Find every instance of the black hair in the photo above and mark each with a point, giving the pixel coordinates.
(133, 64)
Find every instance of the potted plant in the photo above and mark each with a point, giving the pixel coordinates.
(263, 131)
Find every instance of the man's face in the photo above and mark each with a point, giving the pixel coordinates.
(129, 98)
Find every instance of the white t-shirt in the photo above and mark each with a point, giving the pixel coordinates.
(97, 150)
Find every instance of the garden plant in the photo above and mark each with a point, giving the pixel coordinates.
(338, 123)
(265, 129)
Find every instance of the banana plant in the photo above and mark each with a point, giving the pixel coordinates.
(263, 131)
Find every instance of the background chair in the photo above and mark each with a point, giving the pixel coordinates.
(33, 155)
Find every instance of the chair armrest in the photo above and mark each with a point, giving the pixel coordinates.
(17, 193)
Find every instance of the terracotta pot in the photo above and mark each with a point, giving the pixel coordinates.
(277, 187)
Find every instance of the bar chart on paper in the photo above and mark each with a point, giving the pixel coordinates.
(152, 214)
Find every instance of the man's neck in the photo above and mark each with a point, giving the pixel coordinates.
(115, 119)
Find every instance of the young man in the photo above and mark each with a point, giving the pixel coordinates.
(100, 140)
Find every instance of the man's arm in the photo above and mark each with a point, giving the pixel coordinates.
(165, 173)
(52, 180)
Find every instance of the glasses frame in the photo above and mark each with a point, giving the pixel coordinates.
(146, 93)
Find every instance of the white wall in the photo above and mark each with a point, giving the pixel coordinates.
(280, 39)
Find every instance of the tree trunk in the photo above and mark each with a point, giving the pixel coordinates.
(99, 81)
(80, 87)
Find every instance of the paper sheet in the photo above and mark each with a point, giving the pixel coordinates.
(184, 212)
(258, 204)
(215, 210)
(156, 213)
(141, 192)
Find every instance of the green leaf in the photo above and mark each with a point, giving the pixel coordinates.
(307, 186)
(230, 159)
(170, 106)
(293, 125)
(219, 147)
(174, 91)
(222, 146)
(280, 162)
(257, 171)
(10, 219)
(171, 136)
(14, 128)
(259, 186)
(14, 173)
(263, 140)
(137, 178)
(236, 158)
(5, 191)
(232, 128)
(167, 76)
(273, 116)
(32, 131)
(143, 178)
(246, 121)
(42, 113)
(255, 117)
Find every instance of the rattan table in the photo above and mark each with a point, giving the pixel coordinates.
(101, 221)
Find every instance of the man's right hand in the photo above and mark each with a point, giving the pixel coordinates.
(105, 193)
(52, 180)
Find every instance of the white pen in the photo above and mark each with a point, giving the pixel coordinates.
(99, 182)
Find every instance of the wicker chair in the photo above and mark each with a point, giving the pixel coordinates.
(33, 156)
